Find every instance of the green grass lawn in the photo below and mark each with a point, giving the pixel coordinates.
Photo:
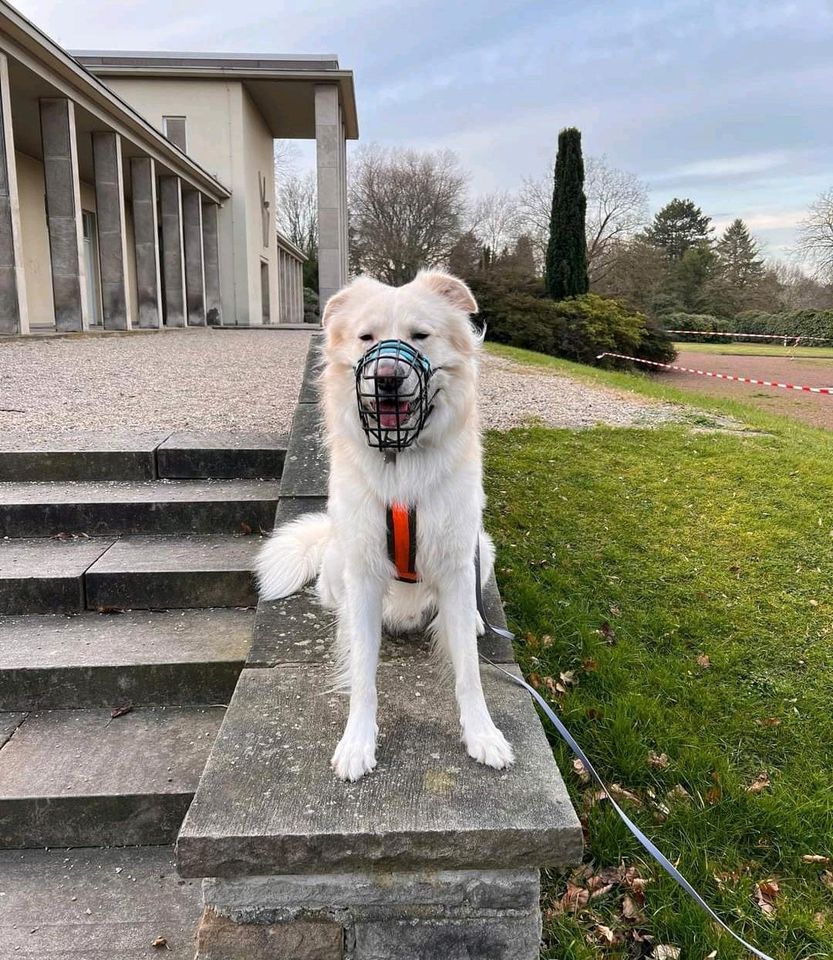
(758, 350)
(683, 582)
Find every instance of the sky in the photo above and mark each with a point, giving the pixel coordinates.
(725, 102)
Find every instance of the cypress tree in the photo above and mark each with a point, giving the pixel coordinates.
(566, 273)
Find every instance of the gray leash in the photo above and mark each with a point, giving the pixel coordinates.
(567, 737)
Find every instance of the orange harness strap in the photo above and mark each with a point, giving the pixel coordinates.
(401, 522)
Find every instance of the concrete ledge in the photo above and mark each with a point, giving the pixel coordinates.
(193, 456)
(305, 471)
(268, 801)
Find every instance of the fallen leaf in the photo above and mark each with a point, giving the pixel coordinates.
(574, 899)
(827, 879)
(608, 632)
(769, 722)
(605, 934)
(121, 711)
(820, 920)
(620, 793)
(546, 641)
(581, 771)
(109, 610)
(766, 894)
(568, 678)
(247, 530)
(590, 664)
(161, 943)
(759, 784)
(714, 795)
(815, 858)
(664, 951)
(703, 661)
(678, 793)
(535, 680)
(658, 760)
(630, 910)
(614, 611)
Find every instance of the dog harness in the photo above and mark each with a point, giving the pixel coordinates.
(401, 523)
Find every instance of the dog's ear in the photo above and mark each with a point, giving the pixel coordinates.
(450, 288)
(339, 300)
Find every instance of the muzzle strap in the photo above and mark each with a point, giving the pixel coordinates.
(401, 524)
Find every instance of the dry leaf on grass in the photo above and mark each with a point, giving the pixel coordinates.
(827, 879)
(766, 893)
(760, 783)
(589, 664)
(815, 858)
(769, 722)
(630, 910)
(703, 661)
(581, 771)
(678, 793)
(608, 633)
(568, 678)
(658, 760)
(605, 934)
(664, 951)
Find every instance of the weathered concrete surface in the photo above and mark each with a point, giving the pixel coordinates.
(173, 253)
(305, 470)
(112, 235)
(269, 802)
(194, 263)
(191, 455)
(95, 660)
(125, 507)
(45, 576)
(13, 309)
(95, 905)
(9, 722)
(183, 571)
(146, 242)
(498, 938)
(63, 213)
(87, 455)
(211, 257)
(312, 371)
(82, 778)
(374, 896)
(222, 939)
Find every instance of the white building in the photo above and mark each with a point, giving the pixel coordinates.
(138, 189)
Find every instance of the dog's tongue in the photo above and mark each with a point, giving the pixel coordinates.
(392, 413)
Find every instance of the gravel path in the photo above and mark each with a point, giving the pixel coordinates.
(244, 380)
(513, 393)
(178, 379)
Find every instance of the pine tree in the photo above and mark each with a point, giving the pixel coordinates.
(679, 226)
(566, 267)
(740, 261)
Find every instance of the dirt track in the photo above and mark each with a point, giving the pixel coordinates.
(815, 409)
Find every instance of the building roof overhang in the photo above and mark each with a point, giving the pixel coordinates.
(281, 85)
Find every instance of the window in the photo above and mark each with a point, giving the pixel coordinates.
(174, 130)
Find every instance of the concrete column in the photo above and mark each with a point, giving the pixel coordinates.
(112, 235)
(194, 263)
(63, 214)
(146, 242)
(13, 313)
(173, 256)
(299, 291)
(332, 189)
(211, 260)
(345, 231)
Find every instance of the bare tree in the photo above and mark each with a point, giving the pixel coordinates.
(496, 220)
(298, 212)
(617, 206)
(406, 210)
(796, 290)
(815, 236)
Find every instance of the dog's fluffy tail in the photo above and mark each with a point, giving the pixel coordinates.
(292, 556)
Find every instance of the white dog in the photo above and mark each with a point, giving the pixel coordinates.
(437, 476)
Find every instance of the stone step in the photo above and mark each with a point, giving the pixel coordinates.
(148, 455)
(83, 455)
(268, 802)
(221, 455)
(83, 778)
(46, 576)
(164, 572)
(96, 905)
(95, 660)
(101, 508)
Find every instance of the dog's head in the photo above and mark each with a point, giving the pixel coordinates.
(430, 314)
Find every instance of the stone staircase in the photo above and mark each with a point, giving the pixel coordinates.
(126, 616)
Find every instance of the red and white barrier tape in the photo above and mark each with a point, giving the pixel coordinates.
(827, 391)
(756, 336)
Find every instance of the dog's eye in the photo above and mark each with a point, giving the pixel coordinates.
(420, 336)
(366, 336)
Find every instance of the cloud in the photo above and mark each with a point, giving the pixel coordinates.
(719, 168)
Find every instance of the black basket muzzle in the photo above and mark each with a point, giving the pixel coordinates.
(392, 391)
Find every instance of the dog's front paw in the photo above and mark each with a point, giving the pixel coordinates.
(354, 757)
(490, 747)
